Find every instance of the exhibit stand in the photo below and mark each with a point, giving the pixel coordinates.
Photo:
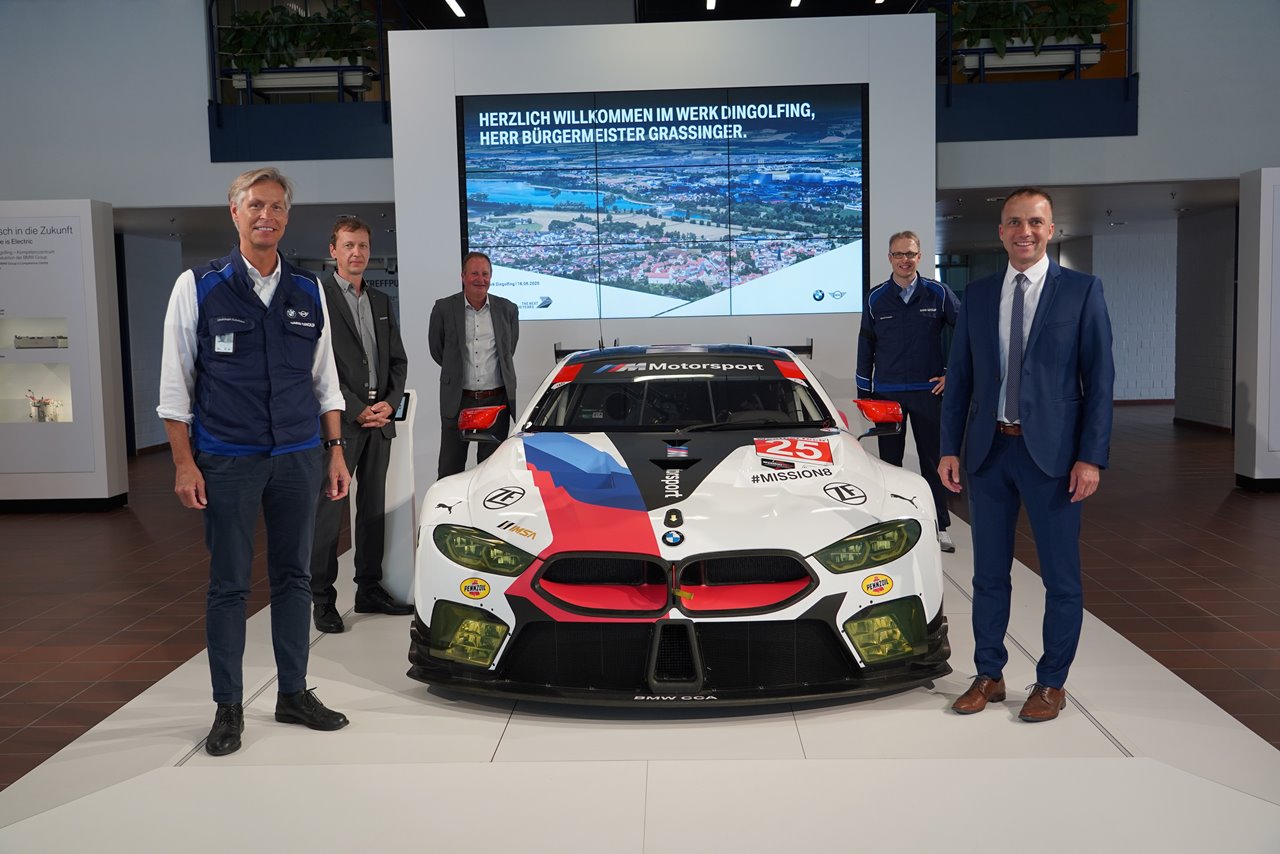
(401, 516)
(1257, 397)
(61, 388)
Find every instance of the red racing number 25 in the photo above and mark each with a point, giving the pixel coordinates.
(809, 450)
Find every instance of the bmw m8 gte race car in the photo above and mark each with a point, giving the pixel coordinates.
(671, 525)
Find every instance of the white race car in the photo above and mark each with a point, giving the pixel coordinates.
(674, 525)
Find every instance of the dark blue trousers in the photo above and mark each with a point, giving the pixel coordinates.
(284, 488)
(368, 454)
(1007, 479)
(923, 411)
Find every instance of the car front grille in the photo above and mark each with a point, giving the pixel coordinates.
(736, 657)
(603, 569)
(744, 569)
(732, 584)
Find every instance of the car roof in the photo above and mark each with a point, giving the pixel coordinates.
(636, 351)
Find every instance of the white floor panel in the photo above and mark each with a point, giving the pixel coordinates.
(958, 806)
(1138, 761)
(541, 732)
(480, 807)
(394, 719)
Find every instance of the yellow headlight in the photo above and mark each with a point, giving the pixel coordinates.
(465, 634)
(478, 551)
(888, 630)
(879, 544)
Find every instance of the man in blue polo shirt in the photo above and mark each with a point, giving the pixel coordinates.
(251, 406)
(900, 358)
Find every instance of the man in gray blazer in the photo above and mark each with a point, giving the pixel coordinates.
(371, 366)
(472, 336)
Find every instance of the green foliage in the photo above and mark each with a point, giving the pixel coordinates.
(277, 37)
(1033, 21)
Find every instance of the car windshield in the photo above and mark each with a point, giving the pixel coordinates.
(666, 403)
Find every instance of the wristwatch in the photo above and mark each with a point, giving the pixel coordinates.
(334, 443)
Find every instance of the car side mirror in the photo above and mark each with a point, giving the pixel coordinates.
(476, 425)
(885, 417)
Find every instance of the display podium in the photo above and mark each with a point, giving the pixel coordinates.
(61, 384)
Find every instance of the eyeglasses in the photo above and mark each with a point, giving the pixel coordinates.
(899, 256)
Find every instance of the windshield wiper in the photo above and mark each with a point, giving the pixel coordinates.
(737, 425)
(752, 422)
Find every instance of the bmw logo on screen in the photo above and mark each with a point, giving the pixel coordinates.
(818, 295)
(673, 538)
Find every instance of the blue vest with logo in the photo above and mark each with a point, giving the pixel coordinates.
(253, 388)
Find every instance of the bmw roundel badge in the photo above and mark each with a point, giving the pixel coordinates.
(673, 538)
(818, 295)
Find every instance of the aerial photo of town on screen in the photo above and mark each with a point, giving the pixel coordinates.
(689, 202)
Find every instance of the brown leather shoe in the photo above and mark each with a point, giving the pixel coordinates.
(1043, 704)
(983, 690)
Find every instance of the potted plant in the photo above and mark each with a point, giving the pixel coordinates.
(280, 37)
(43, 408)
(999, 25)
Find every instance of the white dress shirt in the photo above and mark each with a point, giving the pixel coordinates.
(481, 371)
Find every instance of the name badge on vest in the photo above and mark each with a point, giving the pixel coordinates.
(224, 343)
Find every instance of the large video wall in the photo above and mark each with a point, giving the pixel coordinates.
(669, 203)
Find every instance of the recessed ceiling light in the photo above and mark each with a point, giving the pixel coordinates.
(795, 3)
(997, 198)
(1181, 210)
(457, 10)
(1117, 222)
(711, 5)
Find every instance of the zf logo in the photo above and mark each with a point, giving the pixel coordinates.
(845, 493)
(504, 497)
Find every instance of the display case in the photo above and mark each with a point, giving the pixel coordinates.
(61, 387)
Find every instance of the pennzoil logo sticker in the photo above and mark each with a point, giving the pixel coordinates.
(477, 588)
(875, 585)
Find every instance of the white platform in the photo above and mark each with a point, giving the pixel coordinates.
(1138, 762)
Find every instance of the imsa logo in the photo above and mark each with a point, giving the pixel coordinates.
(877, 585)
(516, 529)
(474, 588)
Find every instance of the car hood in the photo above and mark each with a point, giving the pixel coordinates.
(674, 494)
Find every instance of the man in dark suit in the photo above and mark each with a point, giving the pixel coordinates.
(1029, 390)
(371, 366)
(473, 336)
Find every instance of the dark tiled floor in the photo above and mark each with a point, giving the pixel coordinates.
(103, 605)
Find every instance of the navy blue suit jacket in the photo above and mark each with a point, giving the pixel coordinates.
(1067, 374)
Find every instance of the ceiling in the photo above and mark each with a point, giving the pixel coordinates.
(965, 219)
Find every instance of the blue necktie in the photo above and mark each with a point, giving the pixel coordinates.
(1013, 375)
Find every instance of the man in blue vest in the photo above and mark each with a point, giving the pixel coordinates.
(900, 358)
(251, 406)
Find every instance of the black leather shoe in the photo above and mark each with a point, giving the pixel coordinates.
(375, 600)
(328, 619)
(228, 723)
(305, 708)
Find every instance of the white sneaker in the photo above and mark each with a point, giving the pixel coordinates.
(944, 541)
